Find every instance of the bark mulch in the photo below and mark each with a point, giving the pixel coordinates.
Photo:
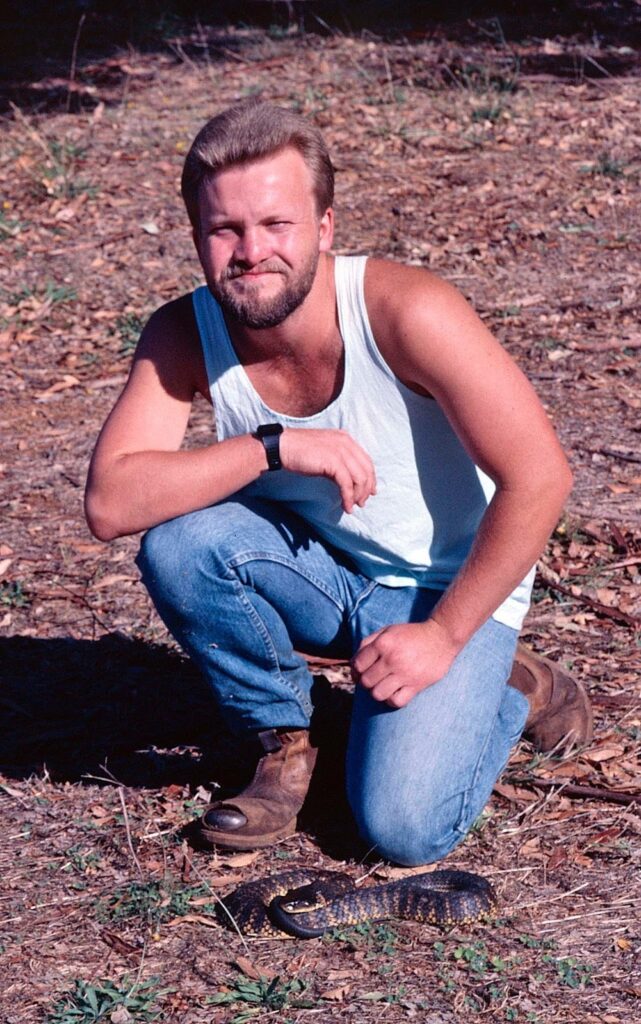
(513, 172)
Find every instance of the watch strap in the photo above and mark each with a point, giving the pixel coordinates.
(269, 434)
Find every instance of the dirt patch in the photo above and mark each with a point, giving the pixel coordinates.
(521, 190)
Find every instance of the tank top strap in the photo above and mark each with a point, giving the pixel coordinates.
(353, 318)
(216, 344)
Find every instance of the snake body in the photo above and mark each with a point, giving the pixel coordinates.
(307, 904)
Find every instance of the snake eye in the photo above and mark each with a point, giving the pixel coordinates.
(297, 906)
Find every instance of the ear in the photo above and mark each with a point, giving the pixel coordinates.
(326, 231)
(196, 239)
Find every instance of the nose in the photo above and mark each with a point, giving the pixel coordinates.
(251, 247)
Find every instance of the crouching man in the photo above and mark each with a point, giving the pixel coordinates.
(383, 481)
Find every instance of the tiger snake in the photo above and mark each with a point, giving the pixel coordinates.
(305, 904)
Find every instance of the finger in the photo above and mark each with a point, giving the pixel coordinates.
(365, 655)
(375, 675)
(401, 697)
(386, 688)
(363, 469)
(345, 483)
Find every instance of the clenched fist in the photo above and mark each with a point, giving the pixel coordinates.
(399, 661)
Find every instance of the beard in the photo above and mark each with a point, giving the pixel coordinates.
(249, 308)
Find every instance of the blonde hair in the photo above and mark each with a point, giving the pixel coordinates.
(251, 131)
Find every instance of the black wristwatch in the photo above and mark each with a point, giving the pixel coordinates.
(269, 434)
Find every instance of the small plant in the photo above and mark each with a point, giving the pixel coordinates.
(9, 226)
(12, 595)
(375, 938)
(152, 902)
(606, 165)
(530, 942)
(129, 327)
(88, 1002)
(571, 972)
(262, 995)
(474, 957)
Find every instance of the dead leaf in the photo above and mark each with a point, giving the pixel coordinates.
(4, 565)
(111, 580)
(68, 381)
(217, 882)
(250, 970)
(604, 753)
(531, 849)
(517, 794)
(557, 857)
(337, 995)
(120, 1016)
(240, 860)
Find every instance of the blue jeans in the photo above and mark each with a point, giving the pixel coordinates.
(245, 584)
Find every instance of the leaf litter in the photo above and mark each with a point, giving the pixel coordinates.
(520, 188)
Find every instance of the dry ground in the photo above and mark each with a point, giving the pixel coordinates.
(520, 188)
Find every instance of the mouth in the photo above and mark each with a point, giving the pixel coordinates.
(256, 272)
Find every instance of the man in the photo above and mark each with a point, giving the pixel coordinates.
(383, 482)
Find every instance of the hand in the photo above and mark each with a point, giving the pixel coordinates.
(333, 454)
(397, 662)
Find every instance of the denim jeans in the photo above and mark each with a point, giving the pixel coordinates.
(245, 584)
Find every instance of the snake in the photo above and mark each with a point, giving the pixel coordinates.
(306, 904)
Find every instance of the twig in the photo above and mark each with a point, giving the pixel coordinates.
(575, 789)
(551, 899)
(598, 606)
(213, 892)
(128, 832)
(74, 55)
(612, 453)
(605, 346)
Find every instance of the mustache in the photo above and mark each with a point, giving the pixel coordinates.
(272, 266)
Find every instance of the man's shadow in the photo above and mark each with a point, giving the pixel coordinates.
(141, 715)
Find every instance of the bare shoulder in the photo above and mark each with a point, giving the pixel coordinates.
(170, 347)
(423, 326)
(394, 291)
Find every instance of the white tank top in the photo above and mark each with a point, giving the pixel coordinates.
(418, 528)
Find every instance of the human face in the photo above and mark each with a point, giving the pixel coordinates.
(260, 236)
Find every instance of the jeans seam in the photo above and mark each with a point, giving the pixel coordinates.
(461, 828)
(262, 556)
(365, 593)
(265, 636)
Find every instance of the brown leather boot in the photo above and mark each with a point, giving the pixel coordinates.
(560, 713)
(266, 810)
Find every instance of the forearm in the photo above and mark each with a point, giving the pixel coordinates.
(137, 490)
(510, 539)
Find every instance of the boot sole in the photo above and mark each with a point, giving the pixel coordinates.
(238, 841)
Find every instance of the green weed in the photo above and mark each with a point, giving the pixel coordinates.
(58, 175)
(12, 595)
(9, 226)
(530, 942)
(152, 902)
(89, 1002)
(129, 327)
(261, 995)
(374, 937)
(606, 165)
(571, 972)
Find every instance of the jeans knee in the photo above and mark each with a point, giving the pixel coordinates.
(406, 833)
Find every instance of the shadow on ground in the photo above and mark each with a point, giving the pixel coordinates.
(122, 710)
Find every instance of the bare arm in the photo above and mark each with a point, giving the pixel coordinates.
(138, 477)
(436, 344)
